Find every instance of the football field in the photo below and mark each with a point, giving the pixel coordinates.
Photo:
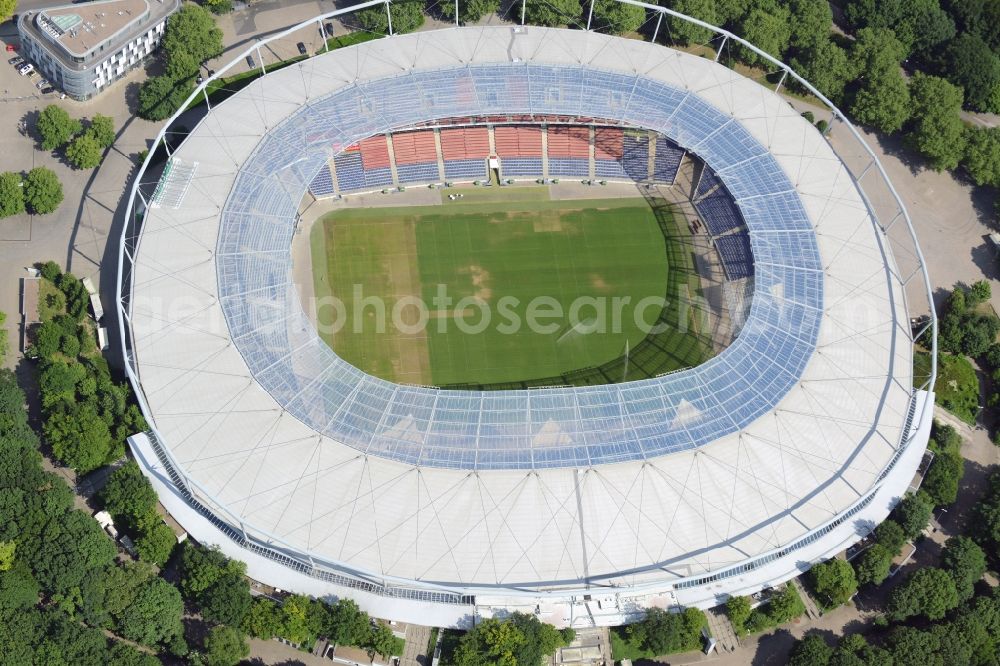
(501, 286)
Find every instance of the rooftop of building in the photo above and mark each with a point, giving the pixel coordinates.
(80, 29)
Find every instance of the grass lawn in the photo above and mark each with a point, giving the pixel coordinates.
(497, 254)
(957, 386)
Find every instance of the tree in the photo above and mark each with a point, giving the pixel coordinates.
(811, 23)
(123, 654)
(982, 155)
(79, 438)
(912, 646)
(873, 565)
(768, 27)
(42, 191)
(84, 152)
(406, 17)
(835, 580)
(919, 24)
(825, 66)
(912, 514)
(191, 38)
(810, 651)
(219, 6)
(380, 641)
(883, 103)
(154, 616)
(968, 62)
(346, 623)
(928, 592)
(941, 481)
(979, 292)
(552, 12)
(201, 567)
(891, 535)
(11, 196)
(786, 605)
(301, 618)
(128, 495)
(854, 649)
(102, 129)
(491, 641)
(616, 17)
(662, 632)
(70, 549)
(938, 131)
(56, 127)
(7, 8)
(161, 96)
(155, 541)
(18, 589)
(225, 646)
(686, 32)
(541, 639)
(965, 561)
(469, 11)
(263, 620)
(738, 609)
(227, 600)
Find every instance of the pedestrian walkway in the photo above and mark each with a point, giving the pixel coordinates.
(722, 630)
(415, 651)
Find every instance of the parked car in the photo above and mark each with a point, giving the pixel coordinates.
(16, 60)
(26, 68)
(251, 63)
(47, 89)
(302, 48)
(42, 84)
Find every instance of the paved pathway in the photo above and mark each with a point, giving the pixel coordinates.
(415, 651)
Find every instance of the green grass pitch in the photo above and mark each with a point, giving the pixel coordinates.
(501, 250)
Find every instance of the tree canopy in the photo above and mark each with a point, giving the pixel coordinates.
(969, 63)
(11, 194)
(102, 129)
(928, 592)
(84, 152)
(982, 155)
(553, 12)
(912, 514)
(686, 32)
(663, 632)
(965, 561)
(42, 191)
(834, 580)
(225, 646)
(518, 640)
(938, 132)
(406, 17)
(191, 38)
(617, 17)
(56, 127)
(881, 97)
(469, 11)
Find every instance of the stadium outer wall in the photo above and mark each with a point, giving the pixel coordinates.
(604, 604)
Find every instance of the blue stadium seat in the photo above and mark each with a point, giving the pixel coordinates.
(719, 213)
(322, 184)
(423, 172)
(569, 166)
(708, 182)
(736, 255)
(465, 169)
(635, 158)
(511, 167)
(350, 173)
(610, 169)
(667, 162)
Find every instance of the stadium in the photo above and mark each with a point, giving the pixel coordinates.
(580, 494)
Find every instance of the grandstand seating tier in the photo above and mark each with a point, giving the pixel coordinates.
(668, 160)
